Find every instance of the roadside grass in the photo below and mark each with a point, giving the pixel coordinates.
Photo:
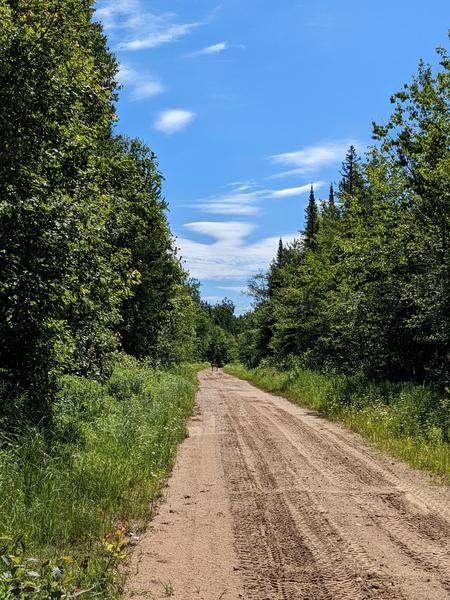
(75, 494)
(408, 421)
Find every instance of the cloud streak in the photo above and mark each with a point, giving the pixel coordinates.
(210, 50)
(229, 255)
(311, 158)
(140, 86)
(173, 121)
(241, 200)
(245, 199)
(297, 191)
(133, 27)
(162, 34)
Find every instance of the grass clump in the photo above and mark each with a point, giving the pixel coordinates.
(76, 489)
(409, 421)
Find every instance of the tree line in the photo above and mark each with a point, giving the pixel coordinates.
(365, 288)
(88, 264)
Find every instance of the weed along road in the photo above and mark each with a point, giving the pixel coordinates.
(270, 501)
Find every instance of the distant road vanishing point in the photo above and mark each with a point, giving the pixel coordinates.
(269, 501)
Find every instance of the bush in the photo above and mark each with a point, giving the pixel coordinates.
(102, 464)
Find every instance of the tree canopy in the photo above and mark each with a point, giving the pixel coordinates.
(87, 260)
(366, 287)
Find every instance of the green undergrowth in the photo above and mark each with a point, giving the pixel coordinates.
(72, 497)
(411, 422)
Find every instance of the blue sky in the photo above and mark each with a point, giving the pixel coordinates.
(246, 103)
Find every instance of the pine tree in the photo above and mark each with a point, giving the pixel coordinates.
(349, 168)
(352, 183)
(280, 253)
(312, 221)
(331, 203)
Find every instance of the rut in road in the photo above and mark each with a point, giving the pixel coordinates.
(269, 501)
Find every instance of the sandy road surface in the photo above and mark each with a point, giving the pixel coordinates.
(270, 501)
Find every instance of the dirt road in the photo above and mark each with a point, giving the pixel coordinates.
(271, 501)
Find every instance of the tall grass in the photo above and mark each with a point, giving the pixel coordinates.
(102, 464)
(409, 421)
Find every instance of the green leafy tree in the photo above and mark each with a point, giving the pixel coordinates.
(223, 315)
(140, 226)
(416, 144)
(61, 283)
(87, 260)
(372, 297)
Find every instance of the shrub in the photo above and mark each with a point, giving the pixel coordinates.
(101, 465)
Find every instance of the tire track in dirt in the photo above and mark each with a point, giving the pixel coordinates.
(413, 530)
(435, 498)
(270, 501)
(302, 454)
(344, 570)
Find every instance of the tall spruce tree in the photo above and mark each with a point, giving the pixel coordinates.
(349, 172)
(280, 254)
(352, 186)
(331, 202)
(312, 221)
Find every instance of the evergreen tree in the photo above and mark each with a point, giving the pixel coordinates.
(373, 296)
(349, 172)
(331, 203)
(312, 222)
(279, 260)
(352, 187)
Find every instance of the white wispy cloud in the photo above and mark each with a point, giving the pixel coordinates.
(226, 208)
(172, 121)
(241, 186)
(311, 158)
(240, 289)
(163, 34)
(240, 201)
(139, 85)
(114, 14)
(230, 255)
(297, 191)
(214, 49)
(133, 27)
(246, 199)
(230, 231)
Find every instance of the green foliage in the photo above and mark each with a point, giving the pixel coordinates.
(56, 93)
(216, 326)
(311, 222)
(366, 304)
(367, 292)
(352, 184)
(87, 259)
(409, 421)
(103, 464)
(25, 577)
(160, 306)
